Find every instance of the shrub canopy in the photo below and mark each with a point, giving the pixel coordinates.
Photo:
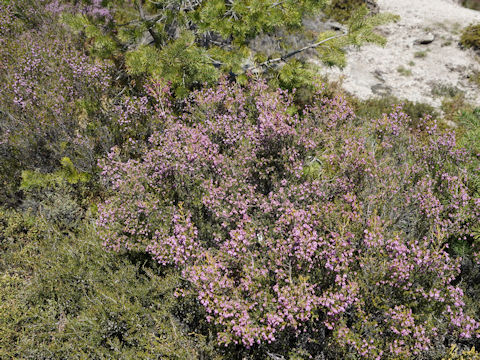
(287, 222)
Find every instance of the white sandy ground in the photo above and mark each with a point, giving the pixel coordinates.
(373, 71)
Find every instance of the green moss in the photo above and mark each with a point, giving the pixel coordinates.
(474, 77)
(471, 37)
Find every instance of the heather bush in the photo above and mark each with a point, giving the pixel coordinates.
(310, 229)
(49, 90)
(58, 102)
(73, 72)
(242, 222)
(51, 96)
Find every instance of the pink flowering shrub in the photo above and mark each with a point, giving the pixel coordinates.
(50, 94)
(55, 100)
(308, 225)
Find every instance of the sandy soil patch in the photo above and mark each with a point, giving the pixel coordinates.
(410, 70)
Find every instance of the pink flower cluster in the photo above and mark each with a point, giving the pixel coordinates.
(93, 8)
(288, 222)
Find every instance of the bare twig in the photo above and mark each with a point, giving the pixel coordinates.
(275, 356)
(142, 16)
(277, 3)
(140, 9)
(148, 19)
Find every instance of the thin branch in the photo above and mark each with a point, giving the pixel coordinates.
(191, 5)
(214, 61)
(276, 4)
(140, 9)
(295, 52)
(142, 16)
(147, 19)
(275, 356)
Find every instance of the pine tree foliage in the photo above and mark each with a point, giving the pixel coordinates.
(191, 42)
(360, 31)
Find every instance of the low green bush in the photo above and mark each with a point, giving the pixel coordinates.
(455, 354)
(471, 4)
(342, 10)
(469, 121)
(63, 297)
(471, 37)
(375, 107)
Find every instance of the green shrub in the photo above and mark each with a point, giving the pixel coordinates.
(63, 297)
(453, 106)
(446, 90)
(454, 354)
(471, 37)
(342, 10)
(241, 185)
(469, 138)
(404, 71)
(374, 108)
(420, 54)
(471, 4)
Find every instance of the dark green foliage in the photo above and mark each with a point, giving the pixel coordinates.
(186, 43)
(63, 297)
(469, 135)
(62, 197)
(471, 4)
(471, 37)
(342, 10)
(9, 174)
(192, 43)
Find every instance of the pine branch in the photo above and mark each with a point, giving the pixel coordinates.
(295, 52)
(148, 19)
